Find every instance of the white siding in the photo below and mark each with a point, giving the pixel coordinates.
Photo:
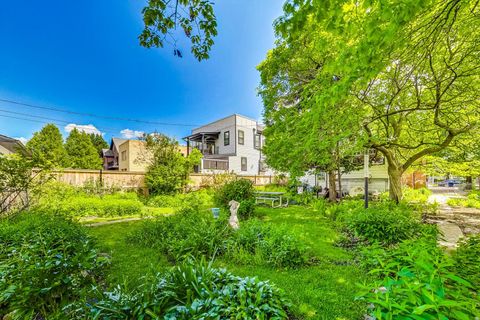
(222, 125)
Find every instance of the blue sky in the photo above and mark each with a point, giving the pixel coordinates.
(84, 56)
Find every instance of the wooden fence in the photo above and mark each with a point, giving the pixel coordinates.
(136, 180)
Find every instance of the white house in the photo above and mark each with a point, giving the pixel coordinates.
(232, 144)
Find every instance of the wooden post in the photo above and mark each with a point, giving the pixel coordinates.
(366, 174)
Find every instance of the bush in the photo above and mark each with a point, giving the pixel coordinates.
(201, 199)
(385, 223)
(240, 190)
(45, 262)
(257, 243)
(416, 282)
(467, 260)
(70, 201)
(187, 232)
(472, 201)
(189, 291)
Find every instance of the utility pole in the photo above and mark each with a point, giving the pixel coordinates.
(366, 159)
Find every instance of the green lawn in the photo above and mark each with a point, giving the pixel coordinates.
(324, 291)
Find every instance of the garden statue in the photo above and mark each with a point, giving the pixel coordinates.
(233, 221)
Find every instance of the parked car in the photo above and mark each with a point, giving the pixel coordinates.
(449, 183)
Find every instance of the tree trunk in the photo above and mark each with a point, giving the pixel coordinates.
(339, 175)
(332, 192)
(395, 177)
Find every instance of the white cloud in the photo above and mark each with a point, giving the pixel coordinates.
(130, 134)
(22, 139)
(87, 128)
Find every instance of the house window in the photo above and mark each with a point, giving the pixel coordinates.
(256, 142)
(244, 164)
(217, 150)
(241, 137)
(226, 138)
(124, 155)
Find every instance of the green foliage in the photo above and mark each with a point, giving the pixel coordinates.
(82, 154)
(202, 199)
(47, 149)
(472, 200)
(259, 243)
(168, 170)
(98, 142)
(196, 18)
(58, 198)
(45, 262)
(191, 290)
(240, 190)
(385, 223)
(467, 260)
(416, 282)
(188, 232)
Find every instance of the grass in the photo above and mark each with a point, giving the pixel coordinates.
(146, 212)
(323, 291)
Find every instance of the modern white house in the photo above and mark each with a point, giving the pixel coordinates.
(232, 144)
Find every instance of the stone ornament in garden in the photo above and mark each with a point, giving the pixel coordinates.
(233, 221)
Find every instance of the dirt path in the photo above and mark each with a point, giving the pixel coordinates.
(453, 222)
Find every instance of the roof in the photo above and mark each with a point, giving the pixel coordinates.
(107, 153)
(11, 144)
(232, 115)
(116, 142)
(198, 136)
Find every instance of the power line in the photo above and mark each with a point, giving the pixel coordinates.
(95, 115)
(113, 130)
(44, 122)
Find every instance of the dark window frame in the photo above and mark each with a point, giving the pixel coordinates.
(241, 139)
(243, 166)
(258, 145)
(226, 138)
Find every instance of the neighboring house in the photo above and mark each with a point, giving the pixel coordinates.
(133, 156)
(9, 145)
(232, 144)
(129, 155)
(111, 156)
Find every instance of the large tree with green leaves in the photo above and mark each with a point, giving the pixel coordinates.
(98, 142)
(168, 170)
(82, 154)
(406, 73)
(165, 20)
(46, 147)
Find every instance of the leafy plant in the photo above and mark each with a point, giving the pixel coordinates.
(258, 243)
(416, 282)
(467, 260)
(186, 232)
(191, 290)
(240, 190)
(385, 223)
(45, 262)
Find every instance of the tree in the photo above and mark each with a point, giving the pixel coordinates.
(81, 151)
(405, 72)
(46, 147)
(20, 176)
(195, 18)
(168, 169)
(98, 142)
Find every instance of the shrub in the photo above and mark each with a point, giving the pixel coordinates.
(240, 190)
(416, 282)
(385, 223)
(201, 199)
(467, 260)
(45, 261)
(189, 291)
(187, 232)
(472, 200)
(257, 243)
(70, 201)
